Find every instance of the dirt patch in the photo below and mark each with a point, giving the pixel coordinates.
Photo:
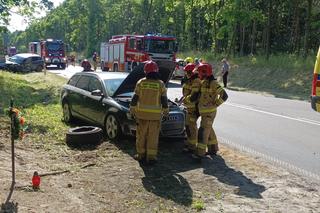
(108, 179)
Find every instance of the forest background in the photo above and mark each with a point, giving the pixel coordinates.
(263, 36)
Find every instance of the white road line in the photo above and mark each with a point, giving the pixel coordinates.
(303, 120)
(273, 160)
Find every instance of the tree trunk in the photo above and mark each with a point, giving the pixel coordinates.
(242, 39)
(307, 29)
(268, 29)
(253, 37)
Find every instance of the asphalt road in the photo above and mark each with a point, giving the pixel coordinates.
(286, 132)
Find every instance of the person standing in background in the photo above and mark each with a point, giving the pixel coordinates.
(225, 71)
(95, 59)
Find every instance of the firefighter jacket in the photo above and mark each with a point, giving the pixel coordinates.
(149, 99)
(194, 85)
(212, 95)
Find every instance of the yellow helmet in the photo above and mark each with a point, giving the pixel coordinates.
(188, 60)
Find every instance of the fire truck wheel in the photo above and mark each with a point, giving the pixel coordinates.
(115, 68)
(84, 135)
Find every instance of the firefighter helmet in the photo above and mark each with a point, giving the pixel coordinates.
(150, 66)
(205, 70)
(188, 60)
(189, 67)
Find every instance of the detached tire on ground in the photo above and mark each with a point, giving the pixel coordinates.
(84, 135)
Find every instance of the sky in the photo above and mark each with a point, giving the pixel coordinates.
(18, 22)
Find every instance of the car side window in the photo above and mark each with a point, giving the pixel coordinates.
(73, 80)
(83, 82)
(94, 84)
(27, 60)
(35, 59)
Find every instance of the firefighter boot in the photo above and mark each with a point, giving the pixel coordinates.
(212, 149)
(138, 157)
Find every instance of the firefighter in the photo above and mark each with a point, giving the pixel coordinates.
(212, 95)
(86, 65)
(190, 91)
(148, 105)
(95, 59)
(188, 60)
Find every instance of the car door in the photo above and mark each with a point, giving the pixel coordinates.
(95, 107)
(80, 96)
(27, 65)
(36, 62)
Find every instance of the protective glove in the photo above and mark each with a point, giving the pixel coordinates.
(132, 111)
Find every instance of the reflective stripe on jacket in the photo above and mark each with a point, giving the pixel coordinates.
(210, 96)
(195, 85)
(149, 102)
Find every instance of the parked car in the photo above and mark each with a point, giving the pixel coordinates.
(103, 98)
(25, 62)
(315, 94)
(179, 72)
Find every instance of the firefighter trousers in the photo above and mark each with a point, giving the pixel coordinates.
(192, 129)
(147, 138)
(207, 136)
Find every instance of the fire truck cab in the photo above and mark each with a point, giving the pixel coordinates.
(124, 52)
(52, 51)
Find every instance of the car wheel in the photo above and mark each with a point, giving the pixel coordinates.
(67, 116)
(112, 127)
(84, 135)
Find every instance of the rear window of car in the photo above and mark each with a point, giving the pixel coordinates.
(83, 82)
(73, 80)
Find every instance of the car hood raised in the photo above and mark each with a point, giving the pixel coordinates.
(165, 71)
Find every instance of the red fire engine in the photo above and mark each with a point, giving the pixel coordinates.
(52, 51)
(124, 52)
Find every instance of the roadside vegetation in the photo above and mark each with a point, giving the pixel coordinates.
(283, 75)
(37, 96)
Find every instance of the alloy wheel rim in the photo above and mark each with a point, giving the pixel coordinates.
(111, 127)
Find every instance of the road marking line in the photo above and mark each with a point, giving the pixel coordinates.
(271, 159)
(303, 120)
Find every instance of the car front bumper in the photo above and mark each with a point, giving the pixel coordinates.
(171, 126)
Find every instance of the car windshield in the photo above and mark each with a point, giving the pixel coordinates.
(54, 46)
(159, 46)
(17, 59)
(112, 85)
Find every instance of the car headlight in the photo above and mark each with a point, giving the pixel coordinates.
(47, 59)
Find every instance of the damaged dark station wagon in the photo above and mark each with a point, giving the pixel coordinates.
(103, 99)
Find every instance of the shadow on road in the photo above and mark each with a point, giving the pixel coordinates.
(218, 168)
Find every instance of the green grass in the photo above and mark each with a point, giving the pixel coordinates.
(37, 96)
(283, 75)
(198, 205)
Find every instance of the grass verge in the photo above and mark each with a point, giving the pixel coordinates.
(37, 96)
